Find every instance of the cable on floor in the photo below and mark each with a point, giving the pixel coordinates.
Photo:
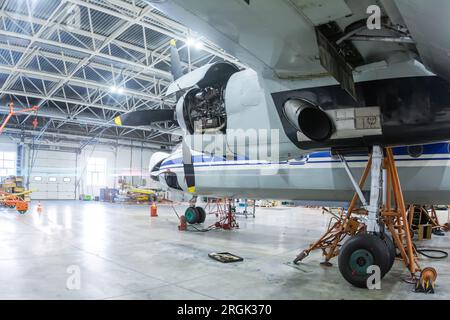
(425, 252)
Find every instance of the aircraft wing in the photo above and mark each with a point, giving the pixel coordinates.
(429, 24)
(295, 39)
(263, 34)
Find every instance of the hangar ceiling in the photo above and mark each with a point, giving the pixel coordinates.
(84, 62)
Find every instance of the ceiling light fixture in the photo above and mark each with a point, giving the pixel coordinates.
(118, 90)
(199, 45)
(190, 42)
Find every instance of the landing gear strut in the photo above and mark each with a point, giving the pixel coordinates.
(369, 243)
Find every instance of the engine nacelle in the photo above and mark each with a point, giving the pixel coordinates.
(201, 110)
(229, 112)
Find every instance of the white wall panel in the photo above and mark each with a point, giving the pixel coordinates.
(53, 165)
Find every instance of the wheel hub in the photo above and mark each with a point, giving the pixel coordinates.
(190, 214)
(360, 260)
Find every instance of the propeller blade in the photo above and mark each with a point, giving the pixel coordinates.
(175, 61)
(145, 117)
(188, 166)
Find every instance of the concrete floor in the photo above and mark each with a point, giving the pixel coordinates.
(123, 254)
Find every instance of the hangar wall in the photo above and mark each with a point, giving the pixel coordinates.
(61, 162)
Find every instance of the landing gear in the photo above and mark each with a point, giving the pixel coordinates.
(202, 214)
(391, 249)
(358, 254)
(192, 215)
(195, 215)
(221, 208)
(378, 229)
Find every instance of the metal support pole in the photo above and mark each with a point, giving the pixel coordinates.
(376, 186)
(354, 183)
(385, 188)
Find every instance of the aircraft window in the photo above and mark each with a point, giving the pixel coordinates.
(66, 179)
(52, 179)
(37, 178)
(415, 151)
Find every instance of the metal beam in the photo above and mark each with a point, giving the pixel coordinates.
(53, 77)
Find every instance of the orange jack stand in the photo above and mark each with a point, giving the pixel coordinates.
(183, 224)
(345, 225)
(227, 216)
(394, 216)
(421, 212)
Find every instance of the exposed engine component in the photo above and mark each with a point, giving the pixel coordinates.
(204, 110)
(312, 121)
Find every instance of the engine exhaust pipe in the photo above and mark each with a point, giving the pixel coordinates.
(312, 121)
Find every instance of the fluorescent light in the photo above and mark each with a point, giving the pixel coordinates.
(190, 42)
(118, 90)
(197, 44)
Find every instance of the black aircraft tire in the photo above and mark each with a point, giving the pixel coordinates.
(202, 214)
(191, 215)
(391, 249)
(360, 252)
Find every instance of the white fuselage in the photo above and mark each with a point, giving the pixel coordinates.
(316, 177)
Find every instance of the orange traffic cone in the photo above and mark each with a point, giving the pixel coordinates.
(40, 208)
(153, 210)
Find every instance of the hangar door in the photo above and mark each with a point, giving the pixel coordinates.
(53, 175)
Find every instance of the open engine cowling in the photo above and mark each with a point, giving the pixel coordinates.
(202, 107)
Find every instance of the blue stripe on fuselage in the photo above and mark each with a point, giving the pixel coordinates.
(199, 160)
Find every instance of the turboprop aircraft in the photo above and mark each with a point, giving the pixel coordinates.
(341, 77)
